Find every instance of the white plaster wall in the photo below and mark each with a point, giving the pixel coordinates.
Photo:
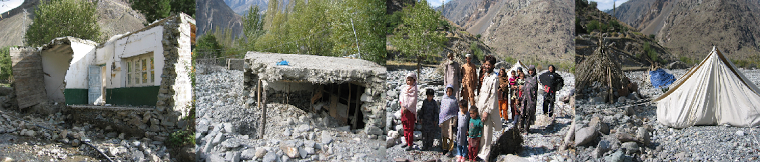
(182, 87)
(58, 70)
(133, 45)
(55, 71)
(104, 55)
(84, 55)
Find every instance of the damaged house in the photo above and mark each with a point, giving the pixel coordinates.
(350, 91)
(144, 74)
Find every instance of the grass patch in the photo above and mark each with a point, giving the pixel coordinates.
(181, 138)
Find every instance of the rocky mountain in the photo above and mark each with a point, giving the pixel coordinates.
(731, 25)
(689, 28)
(114, 17)
(216, 15)
(241, 6)
(631, 12)
(471, 14)
(532, 30)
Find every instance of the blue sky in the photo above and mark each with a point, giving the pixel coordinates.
(436, 3)
(607, 4)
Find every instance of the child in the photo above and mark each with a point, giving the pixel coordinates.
(513, 94)
(428, 116)
(503, 95)
(518, 93)
(474, 134)
(447, 118)
(463, 118)
(408, 102)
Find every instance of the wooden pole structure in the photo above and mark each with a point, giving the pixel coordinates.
(262, 105)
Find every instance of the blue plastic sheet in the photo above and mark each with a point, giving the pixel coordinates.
(283, 62)
(660, 78)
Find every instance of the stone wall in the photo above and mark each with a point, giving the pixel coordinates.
(175, 92)
(27, 67)
(135, 122)
(236, 64)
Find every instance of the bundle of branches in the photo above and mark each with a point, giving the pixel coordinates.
(510, 142)
(600, 67)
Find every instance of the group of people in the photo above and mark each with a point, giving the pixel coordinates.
(475, 104)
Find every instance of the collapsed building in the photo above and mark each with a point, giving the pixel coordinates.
(137, 82)
(351, 91)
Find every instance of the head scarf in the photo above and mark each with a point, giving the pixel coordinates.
(449, 107)
(409, 94)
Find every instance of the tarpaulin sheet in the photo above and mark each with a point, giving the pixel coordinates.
(660, 78)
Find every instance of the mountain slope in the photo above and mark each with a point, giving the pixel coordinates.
(533, 30)
(114, 17)
(216, 15)
(241, 6)
(689, 28)
(731, 25)
(631, 12)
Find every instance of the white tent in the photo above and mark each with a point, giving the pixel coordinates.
(712, 93)
(515, 66)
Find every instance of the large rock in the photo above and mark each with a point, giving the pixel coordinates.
(248, 154)
(292, 152)
(602, 147)
(625, 137)
(618, 156)
(270, 157)
(326, 137)
(643, 135)
(585, 135)
(599, 125)
(260, 152)
(630, 147)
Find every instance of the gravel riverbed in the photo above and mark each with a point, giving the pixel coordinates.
(696, 143)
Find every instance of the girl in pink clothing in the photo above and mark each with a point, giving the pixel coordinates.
(408, 102)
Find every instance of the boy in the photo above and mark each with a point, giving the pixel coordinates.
(428, 116)
(408, 102)
(474, 134)
(463, 119)
(447, 118)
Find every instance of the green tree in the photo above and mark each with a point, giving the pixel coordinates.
(592, 25)
(152, 9)
(253, 28)
(276, 25)
(6, 71)
(184, 6)
(417, 36)
(159, 9)
(59, 18)
(208, 47)
(366, 18)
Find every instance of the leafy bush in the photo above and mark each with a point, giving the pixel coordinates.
(592, 25)
(181, 138)
(651, 36)
(59, 18)
(6, 73)
(510, 60)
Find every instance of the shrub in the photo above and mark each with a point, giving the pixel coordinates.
(592, 25)
(181, 138)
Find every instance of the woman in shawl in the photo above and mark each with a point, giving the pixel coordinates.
(447, 118)
(408, 102)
